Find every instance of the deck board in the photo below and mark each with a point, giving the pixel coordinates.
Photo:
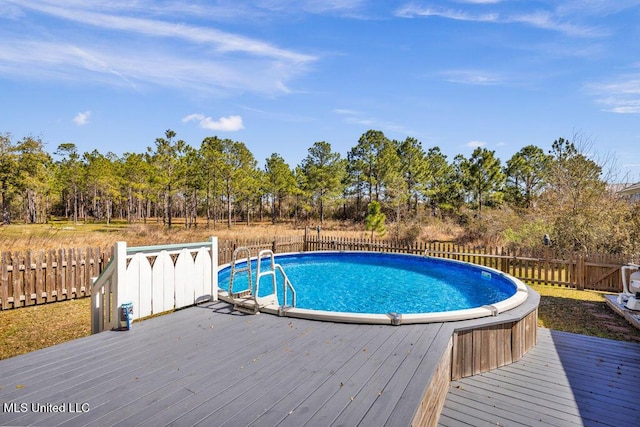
(566, 379)
(204, 365)
(208, 366)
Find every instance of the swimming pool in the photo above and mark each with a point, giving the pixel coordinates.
(374, 287)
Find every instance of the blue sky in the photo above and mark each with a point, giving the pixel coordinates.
(280, 75)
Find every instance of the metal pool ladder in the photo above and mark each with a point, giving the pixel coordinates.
(286, 283)
(248, 300)
(239, 298)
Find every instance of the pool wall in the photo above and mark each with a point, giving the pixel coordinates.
(473, 347)
(519, 297)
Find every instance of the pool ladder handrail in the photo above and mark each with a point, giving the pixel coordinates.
(235, 269)
(286, 285)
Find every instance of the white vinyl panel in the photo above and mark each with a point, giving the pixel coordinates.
(131, 290)
(202, 275)
(163, 283)
(184, 279)
(145, 289)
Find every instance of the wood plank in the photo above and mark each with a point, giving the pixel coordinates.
(167, 374)
(368, 383)
(238, 400)
(566, 379)
(337, 365)
(411, 380)
(39, 277)
(208, 365)
(119, 373)
(61, 275)
(29, 280)
(17, 283)
(4, 280)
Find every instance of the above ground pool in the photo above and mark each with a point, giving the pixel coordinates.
(394, 288)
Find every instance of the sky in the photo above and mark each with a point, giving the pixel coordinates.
(280, 75)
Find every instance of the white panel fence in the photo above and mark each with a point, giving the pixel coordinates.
(154, 279)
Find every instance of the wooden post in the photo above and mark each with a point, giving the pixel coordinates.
(305, 240)
(29, 284)
(580, 280)
(4, 280)
(17, 282)
(214, 268)
(119, 284)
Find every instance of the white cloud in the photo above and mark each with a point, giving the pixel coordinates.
(412, 11)
(142, 51)
(550, 20)
(473, 77)
(620, 95)
(226, 124)
(82, 119)
(220, 40)
(480, 1)
(127, 66)
(475, 144)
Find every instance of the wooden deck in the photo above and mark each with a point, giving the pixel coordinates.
(205, 366)
(200, 367)
(565, 380)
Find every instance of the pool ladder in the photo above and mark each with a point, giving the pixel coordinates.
(248, 300)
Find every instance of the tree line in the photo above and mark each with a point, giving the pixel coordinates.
(562, 193)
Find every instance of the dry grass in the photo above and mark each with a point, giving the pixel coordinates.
(582, 312)
(16, 237)
(31, 328)
(64, 234)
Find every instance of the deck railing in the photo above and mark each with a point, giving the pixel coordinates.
(154, 279)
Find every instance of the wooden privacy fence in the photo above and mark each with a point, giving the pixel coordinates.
(39, 277)
(600, 272)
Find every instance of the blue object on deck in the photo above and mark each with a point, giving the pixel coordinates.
(126, 313)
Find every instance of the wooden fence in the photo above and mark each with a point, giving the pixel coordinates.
(39, 277)
(598, 272)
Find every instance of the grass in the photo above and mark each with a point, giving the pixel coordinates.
(582, 312)
(31, 328)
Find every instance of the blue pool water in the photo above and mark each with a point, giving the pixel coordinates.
(364, 282)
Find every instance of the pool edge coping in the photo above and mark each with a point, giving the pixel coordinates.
(396, 319)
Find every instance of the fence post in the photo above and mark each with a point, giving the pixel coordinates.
(118, 286)
(214, 268)
(305, 240)
(580, 280)
(4, 281)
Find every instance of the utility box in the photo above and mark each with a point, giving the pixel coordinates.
(125, 316)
